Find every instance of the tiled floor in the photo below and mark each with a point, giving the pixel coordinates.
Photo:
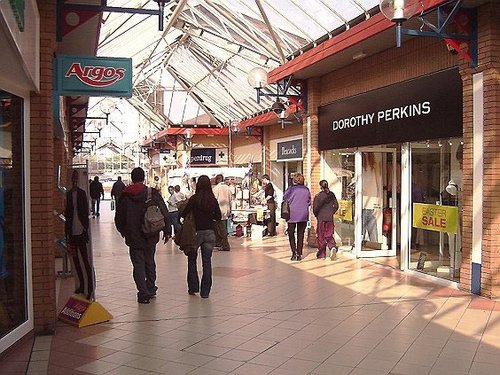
(268, 315)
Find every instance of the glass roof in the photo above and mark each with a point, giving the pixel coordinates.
(196, 68)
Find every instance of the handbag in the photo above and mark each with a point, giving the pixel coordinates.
(285, 210)
(112, 204)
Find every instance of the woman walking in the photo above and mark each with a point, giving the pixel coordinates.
(298, 197)
(206, 211)
(324, 206)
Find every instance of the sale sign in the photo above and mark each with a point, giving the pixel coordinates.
(435, 217)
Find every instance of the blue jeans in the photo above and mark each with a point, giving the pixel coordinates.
(174, 220)
(206, 241)
(95, 206)
(143, 261)
(369, 223)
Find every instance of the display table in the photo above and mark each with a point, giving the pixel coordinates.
(250, 217)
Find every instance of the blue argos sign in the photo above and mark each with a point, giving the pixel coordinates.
(94, 76)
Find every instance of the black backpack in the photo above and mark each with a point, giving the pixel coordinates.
(153, 220)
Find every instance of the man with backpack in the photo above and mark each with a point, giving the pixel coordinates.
(141, 214)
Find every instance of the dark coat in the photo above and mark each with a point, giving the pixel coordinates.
(186, 236)
(96, 190)
(117, 189)
(82, 205)
(325, 205)
(130, 213)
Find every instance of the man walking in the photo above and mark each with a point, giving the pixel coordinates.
(117, 189)
(128, 220)
(96, 191)
(224, 197)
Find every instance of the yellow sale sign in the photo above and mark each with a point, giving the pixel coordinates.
(435, 217)
(345, 210)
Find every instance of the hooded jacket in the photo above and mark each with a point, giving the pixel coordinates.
(130, 212)
(325, 205)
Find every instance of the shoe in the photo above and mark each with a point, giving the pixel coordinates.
(89, 297)
(143, 300)
(299, 257)
(79, 291)
(225, 249)
(294, 257)
(191, 293)
(152, 295)
(333, 255)
(204, 295)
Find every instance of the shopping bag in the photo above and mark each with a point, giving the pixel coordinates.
(285, 210)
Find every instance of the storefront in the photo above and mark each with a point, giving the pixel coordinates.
(286, 154)
(393, 157)
(19, 70)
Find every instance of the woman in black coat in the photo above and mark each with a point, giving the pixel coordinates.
(206, 212)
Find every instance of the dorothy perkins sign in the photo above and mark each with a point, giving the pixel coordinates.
(94, 76)
(428, 107)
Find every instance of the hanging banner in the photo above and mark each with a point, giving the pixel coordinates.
(435, 217)
(94, 76)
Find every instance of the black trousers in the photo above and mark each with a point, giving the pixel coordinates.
(296, 246)
(271, 222)
(143, 261)
(81, 257)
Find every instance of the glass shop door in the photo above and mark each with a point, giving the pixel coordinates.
(376, 194)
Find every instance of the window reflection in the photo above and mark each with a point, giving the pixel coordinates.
(436, 207)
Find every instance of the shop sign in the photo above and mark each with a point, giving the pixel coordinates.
(94, 76)
(428, 107)
(17, 7)
(74, 310)
(437, 218)
(345, 210)
(167, 158)
(289, 150)
(209, 156)
(202, 156)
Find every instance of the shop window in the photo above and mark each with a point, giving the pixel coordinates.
(436, 191)
(13, 301)
(339, 172)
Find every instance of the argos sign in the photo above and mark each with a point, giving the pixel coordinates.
(94, 76)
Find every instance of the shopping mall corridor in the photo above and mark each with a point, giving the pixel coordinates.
(269, 315)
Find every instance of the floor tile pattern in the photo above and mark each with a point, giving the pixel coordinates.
(269, 315)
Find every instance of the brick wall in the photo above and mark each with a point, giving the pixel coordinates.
(489, 65)
(42, 178)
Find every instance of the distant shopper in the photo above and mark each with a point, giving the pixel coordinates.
(76, 228)
(271, 204)
(96, 191)
(298, 197)
(128, 220)
(206, 211)
(180, 195)
(324, 206)
(117, 189)
(173, 211)
(222, 193)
